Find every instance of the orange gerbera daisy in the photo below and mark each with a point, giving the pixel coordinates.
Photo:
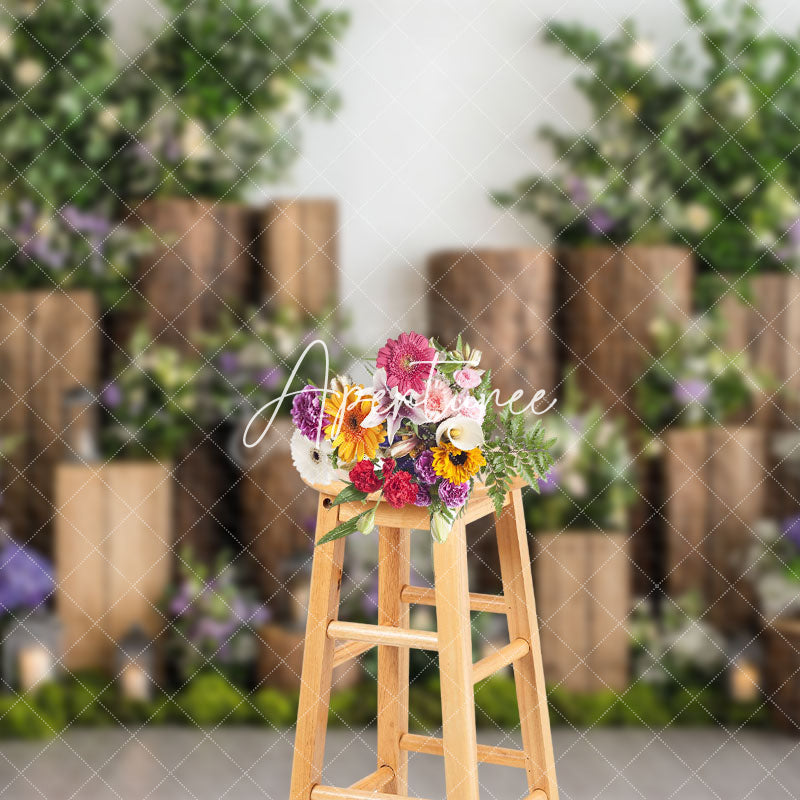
(347, 410)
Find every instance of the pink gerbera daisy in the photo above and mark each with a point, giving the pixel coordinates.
(408, 361)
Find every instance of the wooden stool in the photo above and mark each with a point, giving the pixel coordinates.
(453, 641)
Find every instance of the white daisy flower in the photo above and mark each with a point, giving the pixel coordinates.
(312, 462)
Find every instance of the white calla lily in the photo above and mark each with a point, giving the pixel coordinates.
(463, 432)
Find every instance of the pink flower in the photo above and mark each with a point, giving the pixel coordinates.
(468, 406)
(408, 361)
(468, 378)
(437, 401)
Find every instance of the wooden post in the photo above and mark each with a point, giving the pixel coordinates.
(782, 673)
(202, 261)
(299, 253)
(512, 544)
(113, 555)
(455, 665)
(315, 682)
(715, 488)
(277, 511)
(503, 302)
(610, 296)
(48, 346)
(583, 589)
(394, 571)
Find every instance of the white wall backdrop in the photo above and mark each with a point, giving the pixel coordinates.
(441, 99)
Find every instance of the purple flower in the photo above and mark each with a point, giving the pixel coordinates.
(86, 221)
(423, 496)
(272, 378)
(423, 466)
(228, 361)
(794, 232)
(453, 495)
(307, 410)
(692, 390)
(549, 484)
(599, 221)
(181, 601)
(576, 189)
(111, 396)
(39, 248)
(26, 578)
(369, 600)
(791, 530)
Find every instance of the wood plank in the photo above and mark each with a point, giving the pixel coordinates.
(394, 571)
(349, 651)
(317, 673)
(138, 517)
(81, 566)
(512, 543)
(299, 247)
(332, 793)
(455, 665)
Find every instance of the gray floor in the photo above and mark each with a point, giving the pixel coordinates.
(173, 764)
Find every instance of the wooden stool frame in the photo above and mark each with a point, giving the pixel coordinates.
(452, 640)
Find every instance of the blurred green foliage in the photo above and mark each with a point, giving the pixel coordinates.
(692, 147)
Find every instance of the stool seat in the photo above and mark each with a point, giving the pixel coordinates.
(480, 505)
(331, 642)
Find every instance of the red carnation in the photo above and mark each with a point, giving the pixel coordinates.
(388, 467)
(399, 490)
(364, 478)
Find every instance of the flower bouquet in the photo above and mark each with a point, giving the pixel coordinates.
(422, 435)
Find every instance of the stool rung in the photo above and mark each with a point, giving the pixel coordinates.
(347, 652)
(383, 634)
(487, 754)
(332, 793)
(512, 652)
(375, 781)
(419, 595)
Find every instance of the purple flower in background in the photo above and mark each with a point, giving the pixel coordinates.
(181, 601)
(26, 578)
(423, 496)
(599, 221)
(549, 484)
(453, 495)
(39, 248)
(791, 530)
(271, 378)
(307, 410)
(693, 390)
(423, 466)
(111, 396)
(794, 232)
(576, 189)
(228, 361)
(86, 221)
(369, 600)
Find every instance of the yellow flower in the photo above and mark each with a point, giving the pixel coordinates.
(347, 409)
(457, 466)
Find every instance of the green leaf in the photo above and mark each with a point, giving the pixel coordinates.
(345, 529)
(348, 495)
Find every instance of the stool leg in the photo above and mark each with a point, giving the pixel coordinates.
(317, 674)
(515, 568)
(394, 570)
(455, 665)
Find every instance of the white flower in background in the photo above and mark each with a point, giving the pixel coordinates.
(642, 53)
(575, 484)
(778, 595)
(312, 462)
(698, 217)
(463, 432)
(194, 141)
(734, 95)
(107, 119)
(6, 43)
(696, 645)
(743, 186)
(28, 71)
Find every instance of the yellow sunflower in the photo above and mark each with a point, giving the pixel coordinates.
(347, 409)
(457, 466)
